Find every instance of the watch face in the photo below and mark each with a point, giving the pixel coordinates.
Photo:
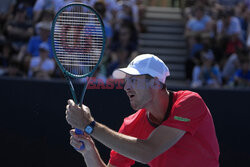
(88, 129)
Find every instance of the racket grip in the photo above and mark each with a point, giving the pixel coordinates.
(79, 132)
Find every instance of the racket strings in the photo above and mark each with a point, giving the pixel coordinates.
(78, 40)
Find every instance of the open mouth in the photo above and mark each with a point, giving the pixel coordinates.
(131, 96)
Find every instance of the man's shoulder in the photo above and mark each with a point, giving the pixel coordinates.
(188, 96)
(134, 117)
(184, 93)
(130, 122)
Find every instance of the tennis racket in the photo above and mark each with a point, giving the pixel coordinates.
(78, 40)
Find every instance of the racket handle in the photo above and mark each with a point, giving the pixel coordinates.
(79, 132)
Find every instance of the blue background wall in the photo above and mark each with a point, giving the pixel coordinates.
(34, 132)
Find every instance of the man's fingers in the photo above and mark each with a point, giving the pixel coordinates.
(85, 108)
(75, 143)
(72, 132)
(67, 107)
(71, 102)
(79, 137)
(71, 108)
(70, 121)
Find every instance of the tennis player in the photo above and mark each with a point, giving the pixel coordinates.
(172, 129)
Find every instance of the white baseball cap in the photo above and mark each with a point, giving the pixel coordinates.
(144, 64)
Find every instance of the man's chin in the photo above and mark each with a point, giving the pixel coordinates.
(133, 106)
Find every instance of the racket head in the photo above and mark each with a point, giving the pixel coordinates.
(78, 40)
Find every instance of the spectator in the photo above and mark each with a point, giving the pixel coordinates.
(101, 9)
(136, 8)
(208, 74)
(42, 66)
(6, 10)
(125, 13)
(52, 5)
(124, 49)
(43, 36)
(228, 38)
(132, 11)
(14, 69)
(18, 31)
(47, 16)
(231, 66)
(228, 27)
(193, 56)
(201, 25)
(232, 44)
(111, 10)
(242, 76)
(43, 5)
(242, 14)
(196, 79)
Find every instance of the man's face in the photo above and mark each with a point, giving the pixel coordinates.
(138, 89)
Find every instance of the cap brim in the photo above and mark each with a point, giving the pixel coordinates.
(121, 72)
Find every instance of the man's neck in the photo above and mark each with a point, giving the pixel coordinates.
(158, 108)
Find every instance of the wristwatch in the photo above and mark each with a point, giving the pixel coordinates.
(90, 128)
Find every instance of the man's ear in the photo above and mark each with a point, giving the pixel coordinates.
(156, 83)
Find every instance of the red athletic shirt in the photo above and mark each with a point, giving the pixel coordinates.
(197, 148)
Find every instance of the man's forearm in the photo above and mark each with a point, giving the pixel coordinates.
(128, 146)
(93, 159)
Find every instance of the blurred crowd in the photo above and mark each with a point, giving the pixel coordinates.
(218, 39)
(217, 33)
(25, 39)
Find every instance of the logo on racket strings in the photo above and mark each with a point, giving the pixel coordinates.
(76, 39)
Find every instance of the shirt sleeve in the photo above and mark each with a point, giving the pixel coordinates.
(117, 159)
(187, 113)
